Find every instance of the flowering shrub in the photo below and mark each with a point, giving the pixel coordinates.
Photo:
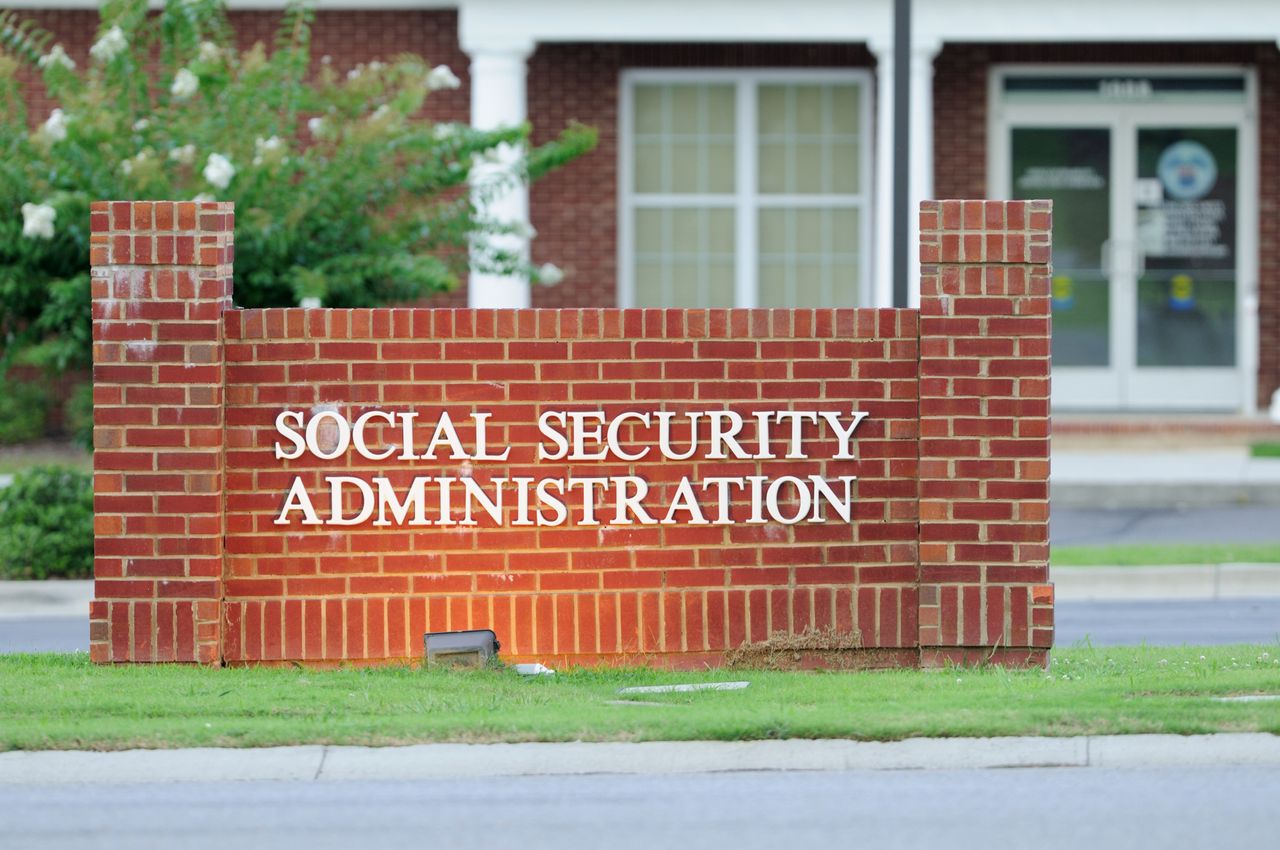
(343, 194)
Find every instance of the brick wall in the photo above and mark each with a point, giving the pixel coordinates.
(984, 428)
(161, 284)
(567, 592)
(960, 118)
(945, 557)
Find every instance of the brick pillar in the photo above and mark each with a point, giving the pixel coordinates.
(984, 432)
(161, 282)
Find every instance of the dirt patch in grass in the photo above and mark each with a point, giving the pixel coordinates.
(813, 648)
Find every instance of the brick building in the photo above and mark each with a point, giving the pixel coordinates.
(745, 157)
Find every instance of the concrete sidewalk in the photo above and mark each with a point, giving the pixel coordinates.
(1186, 477)
(21, 599)
(1208, 581)
(452, 761)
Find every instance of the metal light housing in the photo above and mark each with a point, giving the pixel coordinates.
(471, 648)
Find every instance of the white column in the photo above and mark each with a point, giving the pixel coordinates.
(882, 227)
(920, 156)
(498, 100)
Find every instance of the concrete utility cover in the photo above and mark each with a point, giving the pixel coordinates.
(682, 689)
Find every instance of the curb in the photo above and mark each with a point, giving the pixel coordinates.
(1203, 582)
(454, 761)
(1204, 477)
(1174, 494)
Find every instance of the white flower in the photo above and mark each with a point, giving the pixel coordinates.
(56, 126)
(381, 112)
(209, 52)
(203, 197)
(185, 154)
(57, 56)
(141, 124)
(37, 221)
(111, 45)
(440, 77)
(326, 59)
(376, 66)
(445, 130)
(133, 162)
(219, 171)
(549, 274)
(185, 84)
(355, 72)
(264, 149)
(316, 126)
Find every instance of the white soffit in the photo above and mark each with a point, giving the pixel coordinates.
(489, 22)
(357, 5)
(937, 21)
(526, 22)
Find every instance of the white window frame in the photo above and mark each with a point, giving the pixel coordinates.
(746, 201)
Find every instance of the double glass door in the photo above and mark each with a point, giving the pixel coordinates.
(1149, 243)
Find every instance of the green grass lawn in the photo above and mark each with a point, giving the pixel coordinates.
(1265, 449)
(63, 701)
(1132, 555)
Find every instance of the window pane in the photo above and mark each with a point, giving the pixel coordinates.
(1187, 292)
(684, 138)
(1071, 166)
(684, 257)
(809, 257)
(809, 136)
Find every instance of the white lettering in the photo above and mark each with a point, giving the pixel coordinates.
(298, 500)
(299, 445)
(357, 435)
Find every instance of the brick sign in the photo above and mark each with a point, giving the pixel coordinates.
(595, 485)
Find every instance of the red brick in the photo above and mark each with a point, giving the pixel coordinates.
(577, 591)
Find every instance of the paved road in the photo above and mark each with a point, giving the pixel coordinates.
(1046, 808)
(1237, 524)
(1169, 622)
(44, 634)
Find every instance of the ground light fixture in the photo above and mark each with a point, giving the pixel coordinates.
(470, 648)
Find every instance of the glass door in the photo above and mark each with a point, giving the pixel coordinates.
(1154, 233)
(1186, 211)
(1072, 166)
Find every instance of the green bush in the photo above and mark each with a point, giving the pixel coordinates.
(46, 524)
(23, 409)
(77, 415)
(343, 192)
